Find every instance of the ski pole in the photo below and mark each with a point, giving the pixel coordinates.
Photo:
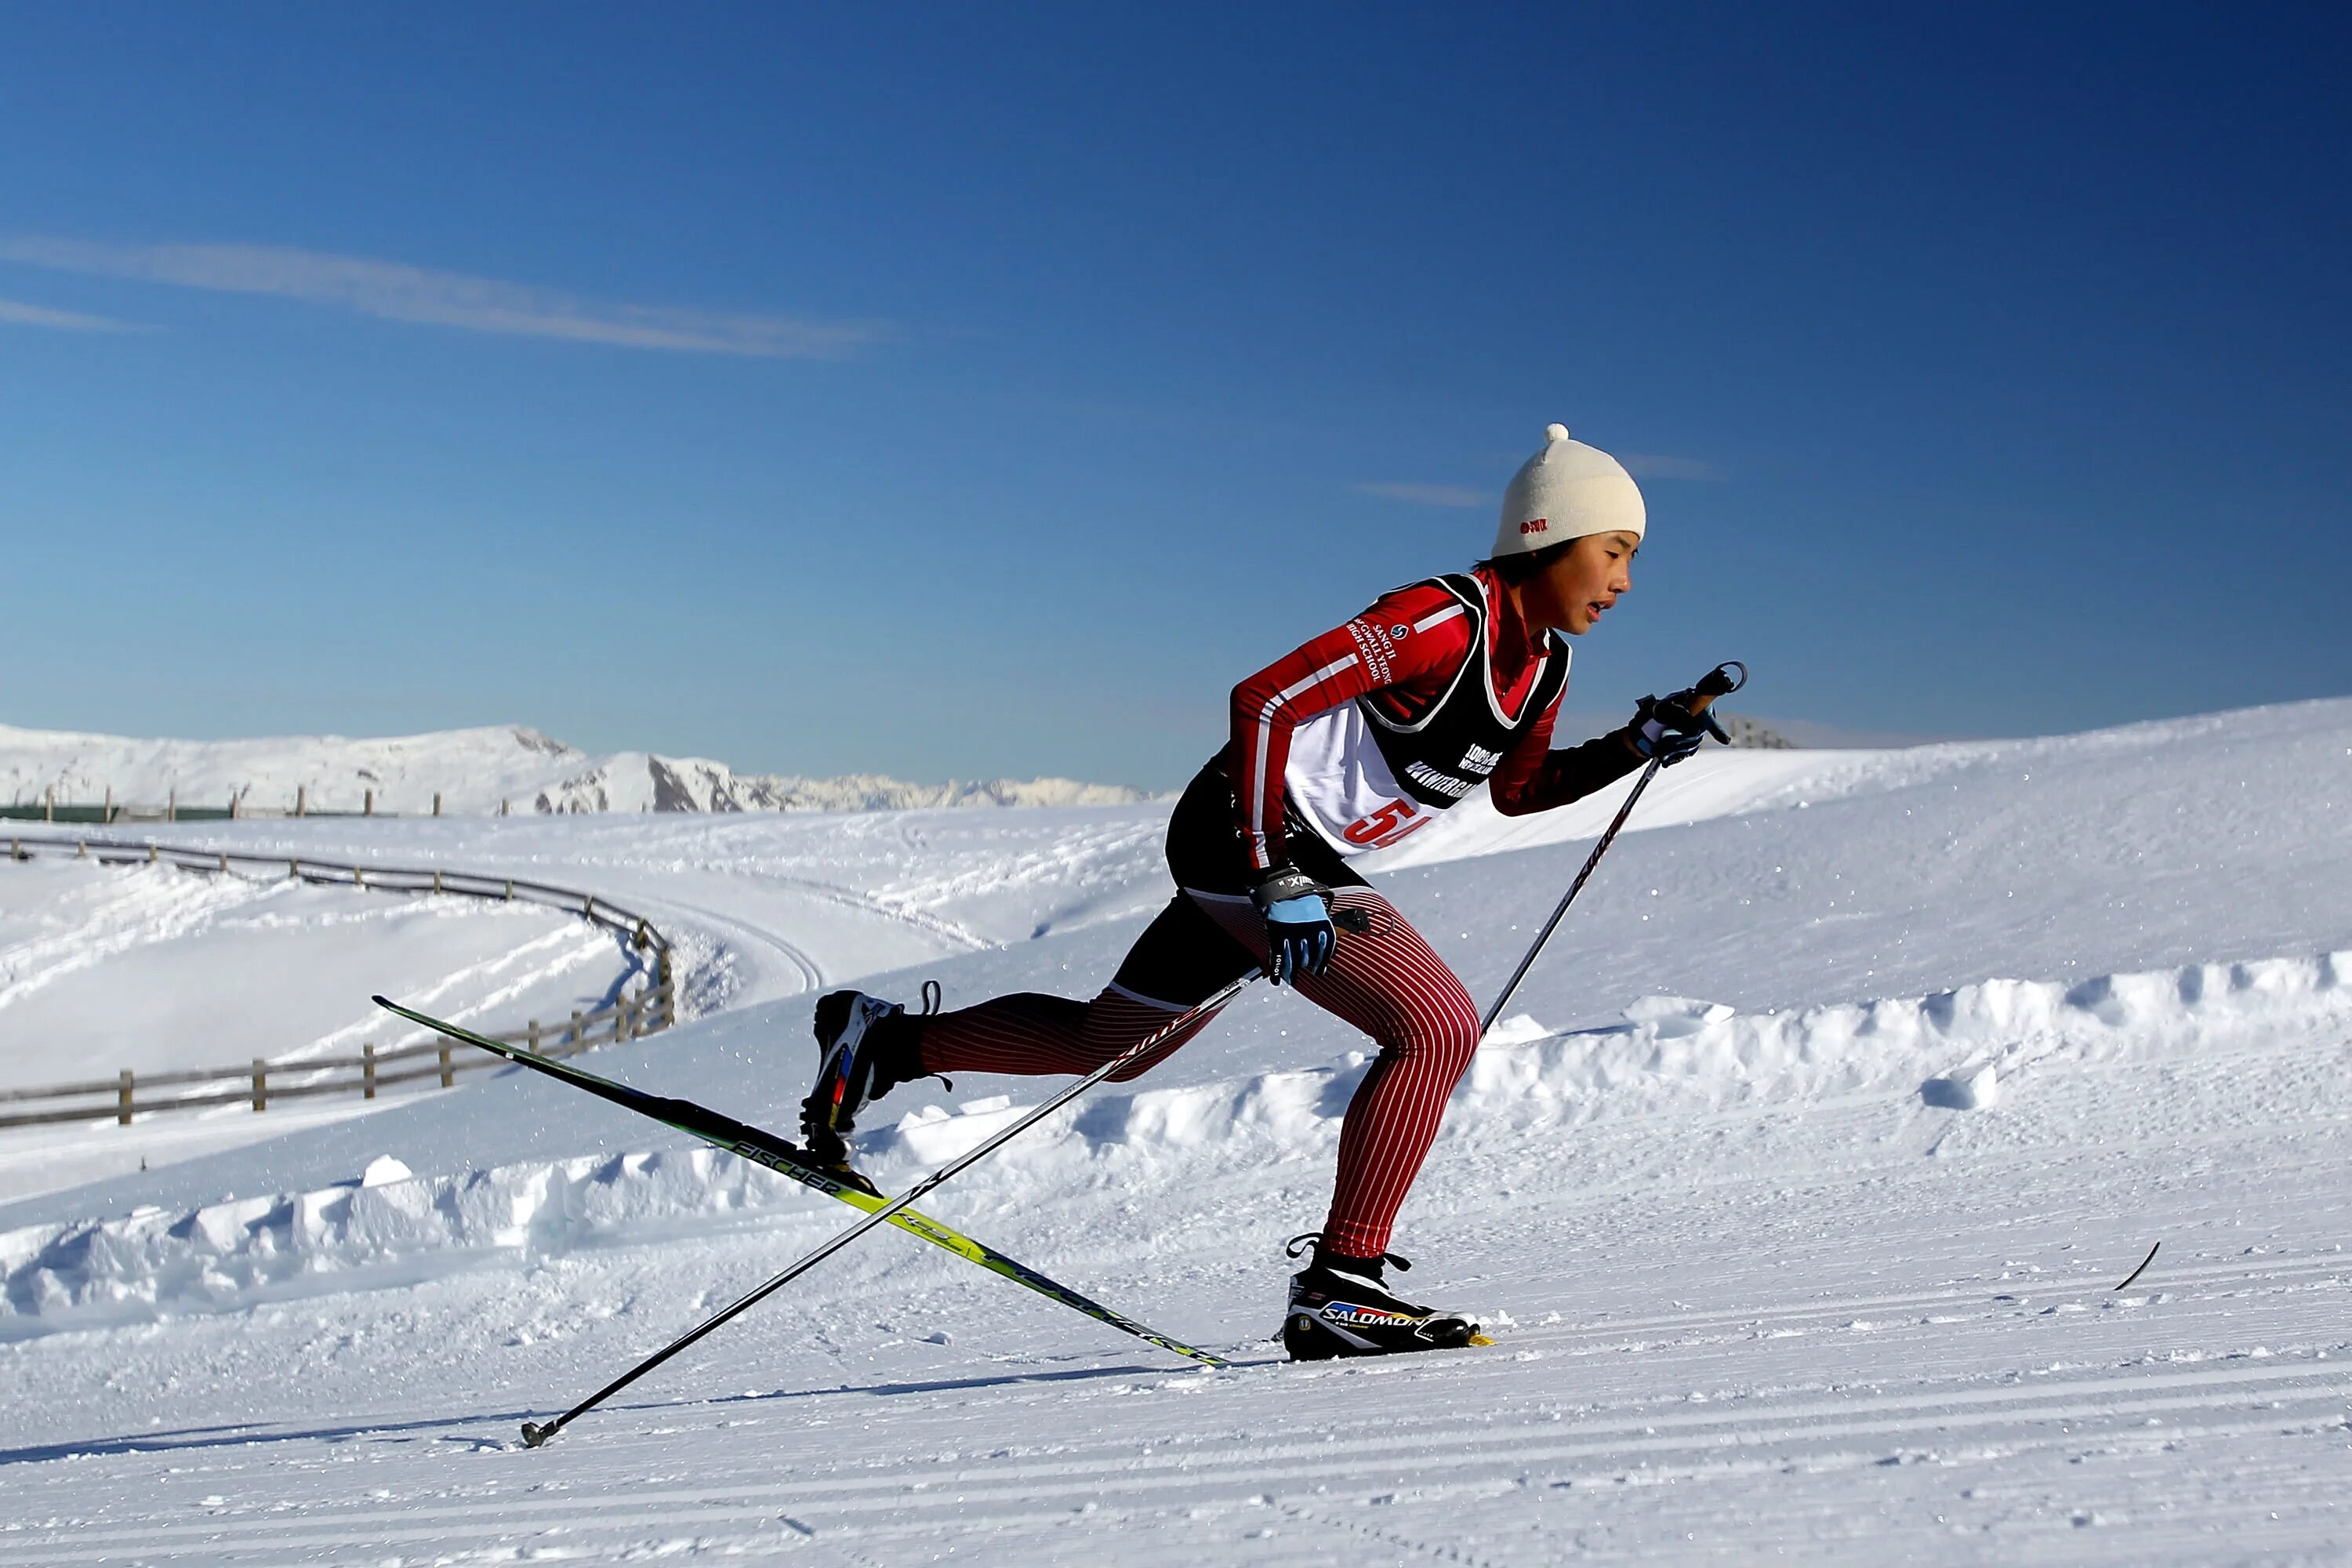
(534, 1432)
(1720, 681)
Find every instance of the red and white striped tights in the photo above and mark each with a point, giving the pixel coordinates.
(1386, 981)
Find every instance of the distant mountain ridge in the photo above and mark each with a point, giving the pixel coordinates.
(475, 771)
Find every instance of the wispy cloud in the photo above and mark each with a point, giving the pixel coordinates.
(396, 291)
(1650, 466)
(1427, 495)
(17, 313)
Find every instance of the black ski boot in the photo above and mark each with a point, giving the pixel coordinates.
(1340, 1306)
(865, 1050)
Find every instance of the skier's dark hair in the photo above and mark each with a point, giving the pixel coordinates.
(1517, 569)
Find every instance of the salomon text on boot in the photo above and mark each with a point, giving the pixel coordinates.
(1341, 1306)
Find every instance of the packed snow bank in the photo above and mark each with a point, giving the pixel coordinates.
(1671, 1056)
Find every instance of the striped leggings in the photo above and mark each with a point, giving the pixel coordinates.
(1388, 983)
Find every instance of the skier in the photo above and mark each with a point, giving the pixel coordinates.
(1351, 742)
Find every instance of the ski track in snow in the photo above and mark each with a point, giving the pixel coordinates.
(1759, 1291)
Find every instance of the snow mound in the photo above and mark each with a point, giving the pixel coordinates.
(376, 1231)
(388, 1228)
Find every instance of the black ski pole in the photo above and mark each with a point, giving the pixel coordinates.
(1720, 681)
(535, 1433)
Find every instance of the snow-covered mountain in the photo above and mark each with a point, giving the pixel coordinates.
(473, 772)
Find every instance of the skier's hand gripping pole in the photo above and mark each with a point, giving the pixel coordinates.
(1692, 704)
(1302, 923)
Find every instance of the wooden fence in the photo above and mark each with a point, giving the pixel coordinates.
(262, 1082)
(109, 811)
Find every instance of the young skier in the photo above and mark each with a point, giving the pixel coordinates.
(1350, 743)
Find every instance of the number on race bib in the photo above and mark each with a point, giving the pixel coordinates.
(1384, 827)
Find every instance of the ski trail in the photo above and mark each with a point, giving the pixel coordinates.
(1405, 1486)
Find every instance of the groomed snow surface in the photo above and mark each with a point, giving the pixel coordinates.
(1796, 1189)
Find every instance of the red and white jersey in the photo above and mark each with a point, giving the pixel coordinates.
(1376, 726)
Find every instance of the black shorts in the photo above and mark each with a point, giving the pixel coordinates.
(1205, 840)
(1182, 955)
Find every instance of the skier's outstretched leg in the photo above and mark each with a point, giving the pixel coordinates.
(869, 1046)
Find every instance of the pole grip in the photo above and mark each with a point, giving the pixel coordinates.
(1721, 681)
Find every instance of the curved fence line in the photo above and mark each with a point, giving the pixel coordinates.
(629, 1017)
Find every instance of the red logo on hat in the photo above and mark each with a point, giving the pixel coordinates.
(1534, 525)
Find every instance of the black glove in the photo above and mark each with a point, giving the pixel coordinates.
(1666, 729)
(1299, 938)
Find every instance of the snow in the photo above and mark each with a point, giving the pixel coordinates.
(473, 772)
(154, 969)
(1761, 1285)
(1667, 1061)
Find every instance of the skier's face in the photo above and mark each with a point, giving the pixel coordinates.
(1571, 591)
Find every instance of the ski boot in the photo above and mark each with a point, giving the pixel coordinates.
(865, 1050)
(1340, 1306)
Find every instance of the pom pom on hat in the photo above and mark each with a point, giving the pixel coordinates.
(1565, 491)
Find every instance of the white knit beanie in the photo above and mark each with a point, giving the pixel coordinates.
(1565, 491)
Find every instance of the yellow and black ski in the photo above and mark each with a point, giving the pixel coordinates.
(787, 1160)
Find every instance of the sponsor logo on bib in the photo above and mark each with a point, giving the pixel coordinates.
(1446, 785)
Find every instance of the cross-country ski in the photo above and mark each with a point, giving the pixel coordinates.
(834, 1181)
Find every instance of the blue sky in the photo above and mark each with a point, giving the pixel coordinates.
(974, 390)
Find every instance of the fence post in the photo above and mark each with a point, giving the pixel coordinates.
(509, 889)
(172, 805)
(368, 1069)
(49, 804)
(293, 869)
(534, 1037)
(669, 993)
(577, 1041)
(106, 813)
(224, 859)
(436, 803)
(436, 875)
(122, 1101)
(301, 799)
(359, 878)
(367, 804)
(449, 1069)
(151, 854)
(260, 1084)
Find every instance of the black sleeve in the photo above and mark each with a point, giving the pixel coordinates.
(1570, 774)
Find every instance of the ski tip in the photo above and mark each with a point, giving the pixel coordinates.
(1480, 1339)
(381, 1000)
(535, 1436)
